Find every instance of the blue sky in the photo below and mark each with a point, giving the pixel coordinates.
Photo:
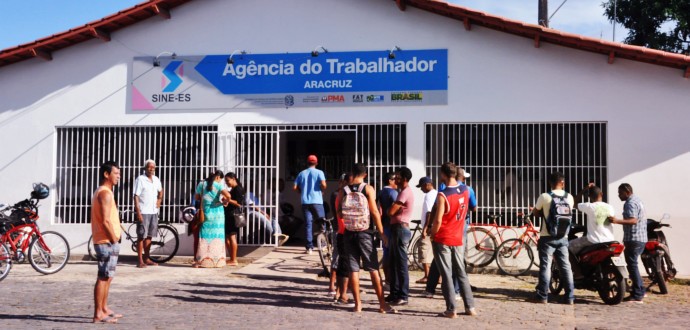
(23, 21)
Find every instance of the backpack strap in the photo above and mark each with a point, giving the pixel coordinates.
(347, 189)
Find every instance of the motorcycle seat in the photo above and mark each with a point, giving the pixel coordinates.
(595, 247)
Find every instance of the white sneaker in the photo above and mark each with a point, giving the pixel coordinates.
(427, 295)
(458, 297)
(310, 251)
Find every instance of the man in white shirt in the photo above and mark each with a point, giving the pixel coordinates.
(148, 194)
(425, 253)
(599, 228)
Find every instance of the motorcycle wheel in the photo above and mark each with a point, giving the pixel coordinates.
(612, 288)
(660, 275)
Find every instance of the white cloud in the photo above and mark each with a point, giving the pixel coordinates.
(585, 17)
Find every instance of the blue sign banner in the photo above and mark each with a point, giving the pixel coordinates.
(413, 70)
(327, 79)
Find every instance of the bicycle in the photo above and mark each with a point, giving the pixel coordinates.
(324, 243)
(163, 247)
(480, 249)
(515, 256)
(47, 252)
(415, 245)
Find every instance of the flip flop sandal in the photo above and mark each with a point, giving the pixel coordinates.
(389, 310)
(106, 320)
(117, 316)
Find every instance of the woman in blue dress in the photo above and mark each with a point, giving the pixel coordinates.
(211, 250)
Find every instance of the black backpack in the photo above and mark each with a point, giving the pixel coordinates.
(560, 216)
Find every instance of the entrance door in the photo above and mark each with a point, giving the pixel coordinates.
(257, 154)
(253, 156)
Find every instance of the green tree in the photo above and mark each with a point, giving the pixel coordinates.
(645, 20)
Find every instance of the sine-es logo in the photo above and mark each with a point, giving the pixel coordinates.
(172, 75)
(170, 82)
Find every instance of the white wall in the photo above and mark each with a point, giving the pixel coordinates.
(493, 77)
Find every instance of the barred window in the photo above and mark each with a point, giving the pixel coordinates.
(510, 162)
(179, 153)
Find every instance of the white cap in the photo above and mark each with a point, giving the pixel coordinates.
(467, 175)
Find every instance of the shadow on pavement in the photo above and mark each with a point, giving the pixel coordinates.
(48, 318)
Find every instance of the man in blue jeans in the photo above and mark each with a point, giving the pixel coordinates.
(385, 199)
(311, 183)
(549, 246)
(400, 214)
(634, 238)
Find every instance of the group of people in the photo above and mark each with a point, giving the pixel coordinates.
(445, 220)
(226, 208)
(362, 213)
(600, 220)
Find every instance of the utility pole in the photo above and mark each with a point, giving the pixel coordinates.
(544, 13)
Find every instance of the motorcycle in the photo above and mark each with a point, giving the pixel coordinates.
(603, 269)
(656, 256)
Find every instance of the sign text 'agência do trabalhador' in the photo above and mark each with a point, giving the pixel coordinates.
(336, 79)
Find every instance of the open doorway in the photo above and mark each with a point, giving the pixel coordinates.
(269, 157)
(336, 151)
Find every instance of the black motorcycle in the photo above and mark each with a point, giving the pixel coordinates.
(656, 256)
(603, 269)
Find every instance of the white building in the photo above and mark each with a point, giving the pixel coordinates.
(507, 100)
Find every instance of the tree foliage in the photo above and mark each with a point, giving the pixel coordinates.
(648, 20)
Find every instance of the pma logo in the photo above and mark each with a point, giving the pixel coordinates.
(173, 72)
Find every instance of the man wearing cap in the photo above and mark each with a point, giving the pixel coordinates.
(425, 252)
(310, 183)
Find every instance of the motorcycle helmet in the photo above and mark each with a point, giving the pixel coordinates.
(41, 191)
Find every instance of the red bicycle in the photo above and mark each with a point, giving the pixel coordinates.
(515, 256)
(48, 252)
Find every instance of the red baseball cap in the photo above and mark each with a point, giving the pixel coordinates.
(312, 159)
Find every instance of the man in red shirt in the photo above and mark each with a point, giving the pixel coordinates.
(452, 205)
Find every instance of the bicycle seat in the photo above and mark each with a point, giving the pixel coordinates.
(494, 216)
(418, 222)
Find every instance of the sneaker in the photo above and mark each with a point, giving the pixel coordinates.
(310, 251)
(634, 301)
(427, 295)
(471, 312)
(399, 302)
(390, 299)
(569, 302)
(458, 297)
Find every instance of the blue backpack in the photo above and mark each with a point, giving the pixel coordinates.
(560, 216)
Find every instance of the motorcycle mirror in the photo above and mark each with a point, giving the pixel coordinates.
(666, 216)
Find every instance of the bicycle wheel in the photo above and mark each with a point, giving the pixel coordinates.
(91, 249)
(5, 261)
(480, 249)
(514, 257)
(49, 253)
(325, 247)
(165, 245)
(413, 253)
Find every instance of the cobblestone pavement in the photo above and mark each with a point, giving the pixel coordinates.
(176, 296)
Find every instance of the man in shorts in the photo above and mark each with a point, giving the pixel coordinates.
(359, 245)
(148, 194)
(339, 272)
(425, 252)
(105, 227)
